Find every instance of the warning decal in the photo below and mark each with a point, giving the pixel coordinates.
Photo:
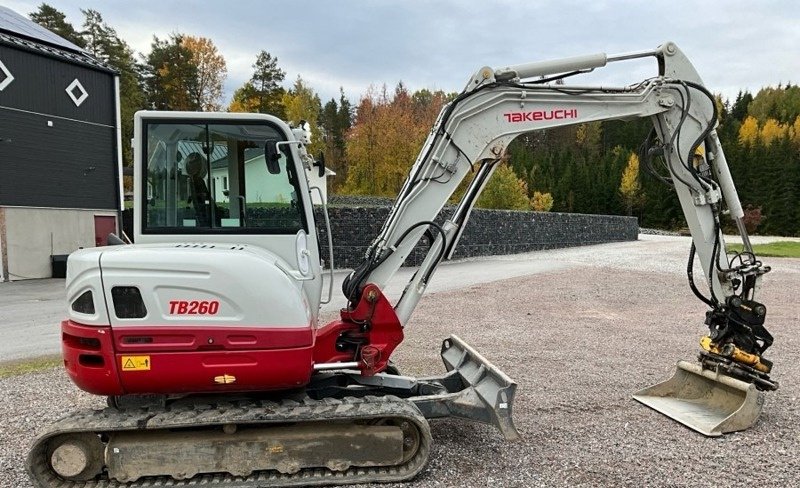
(135, 363)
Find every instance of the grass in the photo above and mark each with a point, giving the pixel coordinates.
(779, 249)
(24, 366)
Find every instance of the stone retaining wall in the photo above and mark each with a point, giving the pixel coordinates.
(488, 232)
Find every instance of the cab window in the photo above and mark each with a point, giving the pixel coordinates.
(213, 178)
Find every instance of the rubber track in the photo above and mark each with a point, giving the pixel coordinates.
(252, 412)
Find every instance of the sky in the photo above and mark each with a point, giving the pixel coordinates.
(734, 45)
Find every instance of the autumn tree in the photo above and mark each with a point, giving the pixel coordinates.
(170, 75)
(629, 188)
(589, 136)
(263, 92)
(206, 90)
(542, 202)
(772, 130)
(748, 131)
(794, 132)
(301, 103)
(387, 134)
(56, 21)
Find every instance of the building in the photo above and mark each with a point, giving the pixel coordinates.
(60, 148)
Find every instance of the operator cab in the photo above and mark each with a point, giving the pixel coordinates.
(213, 178)
(223, 279)
(226, 178)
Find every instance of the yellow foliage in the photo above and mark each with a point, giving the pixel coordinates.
(542, 202)
(794, 131)
(302, 103)
(772, 130)
(211, 71)
(244, 106)
(748, 132)
(629, 186)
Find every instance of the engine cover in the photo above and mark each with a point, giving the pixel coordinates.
(173, 318)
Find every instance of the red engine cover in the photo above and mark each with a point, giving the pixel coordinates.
(169, 360)
(186, 360)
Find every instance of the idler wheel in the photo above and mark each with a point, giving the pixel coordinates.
(77, 457)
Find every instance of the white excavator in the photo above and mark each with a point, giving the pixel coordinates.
(204, 334)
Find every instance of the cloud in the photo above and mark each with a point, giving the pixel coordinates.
(734, 44)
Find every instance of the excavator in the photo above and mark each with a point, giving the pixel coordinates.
(205, 338)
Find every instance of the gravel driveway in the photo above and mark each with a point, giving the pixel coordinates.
(579, 340)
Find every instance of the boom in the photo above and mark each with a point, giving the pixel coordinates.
(473, 131)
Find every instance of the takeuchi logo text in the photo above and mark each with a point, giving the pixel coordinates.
(534, 115)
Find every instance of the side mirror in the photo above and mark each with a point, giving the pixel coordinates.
(320, 162)
(272, 156)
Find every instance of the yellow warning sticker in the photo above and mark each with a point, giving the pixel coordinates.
(135, 363)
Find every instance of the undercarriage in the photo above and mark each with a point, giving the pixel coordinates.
(342, 428)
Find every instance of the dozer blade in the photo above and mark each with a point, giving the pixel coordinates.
(475, 389)
(703, 400)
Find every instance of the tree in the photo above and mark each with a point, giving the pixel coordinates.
(263, 93)
(772, 130)
(505, 190)
(589, 136)
(104, 43)
(55, 21)
(629, 187)
(794, 133)
(98, 38)
(542, 202)
(211, 72)
(244, 100)
(335, 121)
(301, 103)
(779, 103)
(739, 109)
(748, 132)
(170, 75)
(387, 134)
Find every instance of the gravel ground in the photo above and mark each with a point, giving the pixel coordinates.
(579, 341)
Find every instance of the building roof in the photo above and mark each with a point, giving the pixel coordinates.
(21, 32)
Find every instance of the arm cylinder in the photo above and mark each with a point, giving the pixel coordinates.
(542, 68)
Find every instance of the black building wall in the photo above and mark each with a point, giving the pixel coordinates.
(52, 152)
